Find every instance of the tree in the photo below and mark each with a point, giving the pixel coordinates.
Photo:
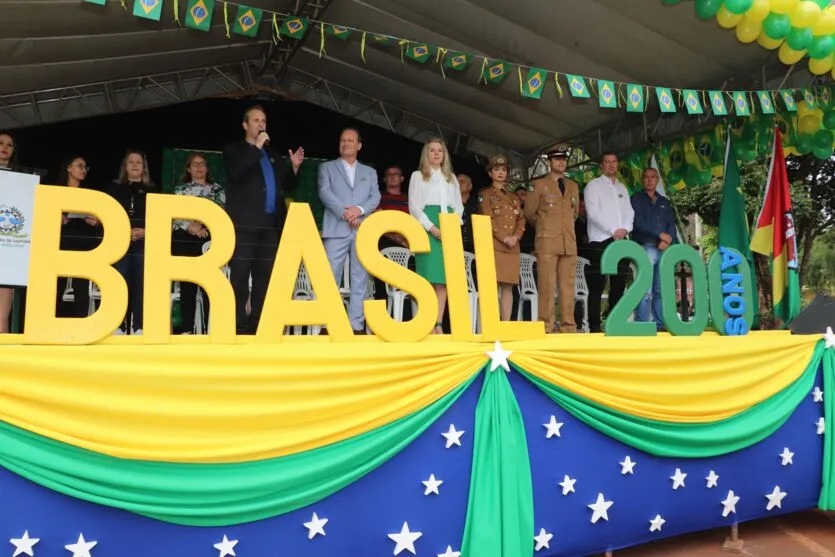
(813, 200)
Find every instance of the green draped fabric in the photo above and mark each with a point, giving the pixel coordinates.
(500, 511)
(827, 498)
(690, 440)
(212, 494)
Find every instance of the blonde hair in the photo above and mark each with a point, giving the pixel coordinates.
(123, 170)
(446, 166)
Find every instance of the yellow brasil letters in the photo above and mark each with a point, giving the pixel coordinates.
(47, 262)
(162, 268)
(394, 274)
(460, 321)
(299, 244)
(492, 328)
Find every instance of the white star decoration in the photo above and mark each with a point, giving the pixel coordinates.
(678, 478)
(712, 479)
(23, 545)
(405, 540)
(821, 423)
(600, 508)
(656, 523)
(432, 485)
(627, 466)
(226, 547)
(542, 539)
(315, 526)
(787, 455)
(453, 436)
(81, 548)
(567, 485)
(553, 428)
(830, 337)
(775, 498)
(730, 503)
(817, 394)
(449, 552)
(498, 357)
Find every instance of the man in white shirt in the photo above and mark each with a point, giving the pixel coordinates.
(349, 191)
(609, 216)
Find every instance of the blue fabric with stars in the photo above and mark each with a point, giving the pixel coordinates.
(361, 517)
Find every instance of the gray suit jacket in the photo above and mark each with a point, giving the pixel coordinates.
(336, 193)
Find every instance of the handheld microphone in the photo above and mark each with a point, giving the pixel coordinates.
(267, 142)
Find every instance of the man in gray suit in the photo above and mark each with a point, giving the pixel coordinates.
(349, 191)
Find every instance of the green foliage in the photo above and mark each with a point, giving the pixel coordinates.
(821, 269)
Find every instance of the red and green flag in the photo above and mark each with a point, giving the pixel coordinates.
(774, 235)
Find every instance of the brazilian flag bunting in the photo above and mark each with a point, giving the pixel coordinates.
(741, 104)
(247, 21)
(457, 61)
(665, 99)
(148, 9)
(533, 84)
(97, 2)
(634, 98)
(338, 31)
(577, 85)
(418, 52)
(199, 14)
(717, 103)
(692, 102)
(495, 72)
(294, 27)
(607, 94)
(788, 99)
(766, 103)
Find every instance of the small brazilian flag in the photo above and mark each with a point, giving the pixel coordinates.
(381, 39)
(338, 31)
(247, 21)
(766, 104)
(692, 102)
(825, 96)
(457, 61)
(294, 27)
(149, 9)
(199, 14)
(665, 99)
(606, 94)
(634, 98)
(810, 98)
(418, 52)
(741, 104)
(717, 103)
(788, 99)
(532, 87)
(577, 85)
(495, 72)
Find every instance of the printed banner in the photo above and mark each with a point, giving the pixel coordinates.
(17, 206)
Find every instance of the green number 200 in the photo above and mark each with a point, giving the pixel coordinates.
(721, 291)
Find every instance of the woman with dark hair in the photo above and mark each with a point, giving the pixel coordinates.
(188, 236)
(8, 157)
(79, 232)
(130, 189)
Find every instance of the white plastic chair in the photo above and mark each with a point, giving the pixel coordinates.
(303, 291)
(69, 294)
(395, 298)
(469, 261)
(581, 290)
(527, 287)
(95, 296)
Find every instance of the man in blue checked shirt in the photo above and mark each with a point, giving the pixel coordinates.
(654, 228)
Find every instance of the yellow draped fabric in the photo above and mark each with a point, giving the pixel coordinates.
(197, 402)
(673, 379)
(213, 403)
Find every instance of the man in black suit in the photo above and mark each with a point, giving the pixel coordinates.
(255, 202)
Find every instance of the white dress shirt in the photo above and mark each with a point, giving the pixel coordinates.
(436, 191)
(350, 170)
(607, 208)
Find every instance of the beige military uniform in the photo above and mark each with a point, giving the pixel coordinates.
(507, 219)
(553, 214)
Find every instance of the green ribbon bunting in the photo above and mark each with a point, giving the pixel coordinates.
(500, 510)
(827, 498)
(212, 494)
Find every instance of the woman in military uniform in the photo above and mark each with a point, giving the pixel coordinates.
(508, 222)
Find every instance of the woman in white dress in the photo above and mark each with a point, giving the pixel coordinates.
(433, 190)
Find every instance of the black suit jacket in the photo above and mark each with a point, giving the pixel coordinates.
(246, 191)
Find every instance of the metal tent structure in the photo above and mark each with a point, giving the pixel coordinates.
(65, 59)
